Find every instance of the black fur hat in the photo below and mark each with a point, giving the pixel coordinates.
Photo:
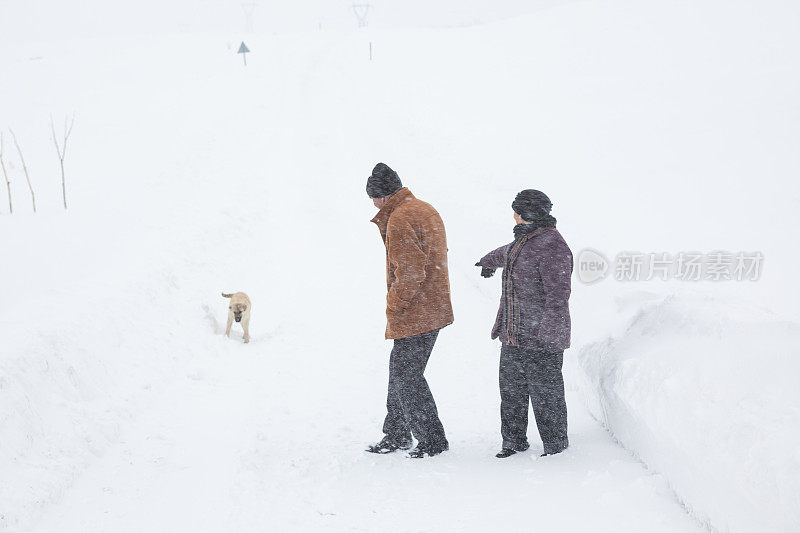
(383, 182)
(532, 205)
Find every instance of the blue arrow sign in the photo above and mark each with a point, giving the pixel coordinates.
(243, 50)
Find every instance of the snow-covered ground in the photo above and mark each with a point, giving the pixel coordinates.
(654, 126)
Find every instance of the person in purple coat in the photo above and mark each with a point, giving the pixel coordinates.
(533, 325)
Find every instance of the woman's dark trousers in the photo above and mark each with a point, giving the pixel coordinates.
(534, 374)
(410, 406)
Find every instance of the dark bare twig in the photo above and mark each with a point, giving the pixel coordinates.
(24, 167)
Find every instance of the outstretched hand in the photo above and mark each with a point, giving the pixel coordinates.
(486, 272)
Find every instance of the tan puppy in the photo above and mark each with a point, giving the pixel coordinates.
(239, 310)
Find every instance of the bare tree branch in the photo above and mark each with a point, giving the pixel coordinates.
(5, 175)
(24, 167)
(62, 150)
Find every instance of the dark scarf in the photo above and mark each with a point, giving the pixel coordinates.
(521, 230)
(522, 234)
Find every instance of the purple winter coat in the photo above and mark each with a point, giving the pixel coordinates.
(541, 277)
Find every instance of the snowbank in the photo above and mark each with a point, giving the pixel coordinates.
(705, 393)
(89, 342)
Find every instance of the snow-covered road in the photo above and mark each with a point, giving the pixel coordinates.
(221, 451)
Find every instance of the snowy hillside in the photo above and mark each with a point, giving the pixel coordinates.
(654, 126)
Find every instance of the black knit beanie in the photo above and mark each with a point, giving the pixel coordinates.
(383, 182)
(532, 205)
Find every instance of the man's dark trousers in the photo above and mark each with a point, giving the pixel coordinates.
(534, 374)
(410, 406)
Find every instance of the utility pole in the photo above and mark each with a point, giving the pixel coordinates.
(361, 11)
(248, 8)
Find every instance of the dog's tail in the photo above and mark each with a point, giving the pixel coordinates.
(227, 295)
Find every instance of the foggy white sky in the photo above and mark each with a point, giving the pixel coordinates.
(45, 20)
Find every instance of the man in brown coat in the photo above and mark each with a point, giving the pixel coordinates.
(417, 307)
